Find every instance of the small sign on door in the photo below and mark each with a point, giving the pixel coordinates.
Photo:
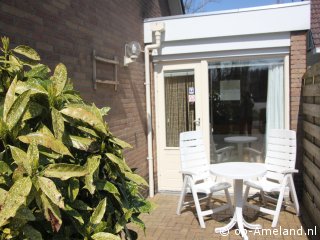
(191, 90)
(192, 98)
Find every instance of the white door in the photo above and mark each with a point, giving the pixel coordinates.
(180, 106)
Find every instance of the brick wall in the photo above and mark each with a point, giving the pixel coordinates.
(67, 31)
(298, 63)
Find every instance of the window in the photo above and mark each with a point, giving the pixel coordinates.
(246, 98)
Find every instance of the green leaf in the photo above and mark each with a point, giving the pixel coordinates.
(65, 171)
(31, 85)
(121, 143)
(48, 153)
(14, 64)
(84, 144)
(18, 155)
(30, 233)
(18, 173)
(9, 99)
(17, 109)
(16, 197)
(80, 205)
(104, 111)
(5, 43)
(3, 128)
(92, 165)
(50, 190)
(33, 156)
(83, 114)
(51, 212)
(98, 213)
(59, 78)
(21, 159)
(120, 162)
(3, 196)
(73, 213)
(39, 71)
(136, 178)
(4, 168)
(33, 110)
(73, 189)
(138, 222)
(46, 141)
(109, 187)
(105, 236)
(45, 130)
(25, 213)
(57, 123)
(27, 52)
(87, 131)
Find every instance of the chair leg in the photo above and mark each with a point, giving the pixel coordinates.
(209, 197)
(294, 197)
(245, 196)
(182, 196)
(278, 208)
(198, 207)
(263, 198)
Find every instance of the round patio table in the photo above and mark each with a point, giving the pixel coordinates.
(240, 140)
(238, 171)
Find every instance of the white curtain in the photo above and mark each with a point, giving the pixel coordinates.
(275, 98)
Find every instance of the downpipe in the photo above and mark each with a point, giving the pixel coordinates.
(148, 108)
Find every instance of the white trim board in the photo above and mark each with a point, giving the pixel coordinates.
(223, 54)
(245, 42)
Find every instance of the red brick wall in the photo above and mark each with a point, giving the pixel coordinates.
(298, 63)
(67, 31)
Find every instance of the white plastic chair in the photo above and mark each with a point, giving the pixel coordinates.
(221, 154)
(280, 162)
(254, 155)
(196, 175)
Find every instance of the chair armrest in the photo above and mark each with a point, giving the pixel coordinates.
(289, 171)
(252, 150)
(225, 149)
(189, 172)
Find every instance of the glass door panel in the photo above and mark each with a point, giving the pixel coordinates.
(179, 104)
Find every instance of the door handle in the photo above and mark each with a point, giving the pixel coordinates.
(197, 122)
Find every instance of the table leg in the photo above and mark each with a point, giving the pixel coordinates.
(238, 213)
(238, 201)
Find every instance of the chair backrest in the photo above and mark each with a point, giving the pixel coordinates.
(192, 151)
(281, 152)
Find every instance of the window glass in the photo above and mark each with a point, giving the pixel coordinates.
(238, 100)
(179, 104)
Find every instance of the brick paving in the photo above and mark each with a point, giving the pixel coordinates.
(163, 223)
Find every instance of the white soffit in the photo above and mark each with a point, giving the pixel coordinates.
(260, 20)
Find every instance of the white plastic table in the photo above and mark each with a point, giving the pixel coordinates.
(240, 140)
(238, 171)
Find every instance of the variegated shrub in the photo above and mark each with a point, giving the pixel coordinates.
(62, 172)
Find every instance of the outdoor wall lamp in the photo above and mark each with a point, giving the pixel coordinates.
(132, 52)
